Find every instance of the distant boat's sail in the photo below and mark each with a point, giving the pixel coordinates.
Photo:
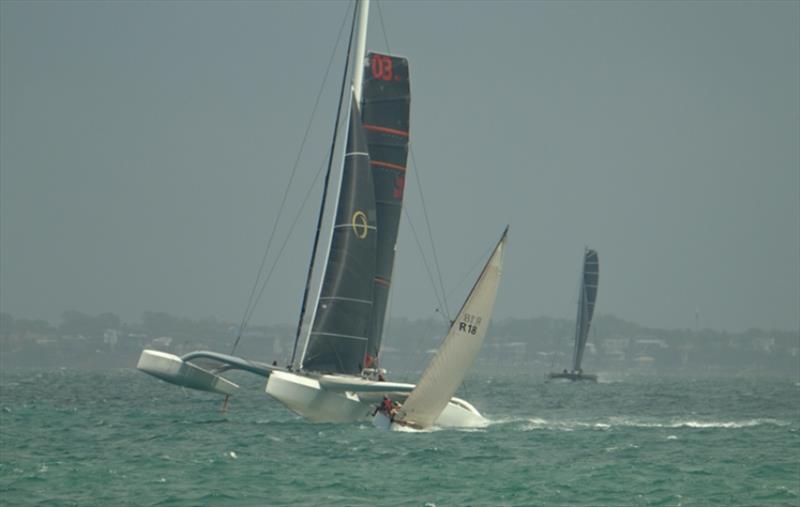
(586, 300)
(447, 369)
(340, 330)
(385, 116)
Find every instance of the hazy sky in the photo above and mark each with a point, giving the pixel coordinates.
(145, 147)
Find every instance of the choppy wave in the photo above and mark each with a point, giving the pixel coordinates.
(126, 439)
(537, 423)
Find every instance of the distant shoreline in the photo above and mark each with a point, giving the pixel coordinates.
(539, 344)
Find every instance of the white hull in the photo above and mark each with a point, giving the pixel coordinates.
(171, 368)
(304, 396)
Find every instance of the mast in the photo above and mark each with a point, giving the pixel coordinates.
(324, 198)
(330, 295)
(361, 45)
(577, 352)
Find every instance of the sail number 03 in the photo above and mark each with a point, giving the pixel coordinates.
(382, 67)
(469, 323)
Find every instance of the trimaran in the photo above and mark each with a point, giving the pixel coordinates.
(335, 377)
(587, 296)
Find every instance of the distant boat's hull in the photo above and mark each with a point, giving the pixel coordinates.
(305, 396)
(574, 377)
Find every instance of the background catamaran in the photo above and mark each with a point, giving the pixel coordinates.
(335, 377)
(586, 299)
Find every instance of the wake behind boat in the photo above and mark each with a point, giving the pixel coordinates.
(586, 301)
(337, 376)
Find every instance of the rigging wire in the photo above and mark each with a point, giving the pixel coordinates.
(252, 303)
(430, 233)
(478, 262)
(427, 267)
(441, 301)
(405, 208)
(291, 229)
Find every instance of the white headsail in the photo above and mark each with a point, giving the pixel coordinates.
(446, 371)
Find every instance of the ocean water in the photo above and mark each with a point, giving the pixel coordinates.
(109, 438)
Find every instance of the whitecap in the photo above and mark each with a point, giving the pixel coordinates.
(506, 420)
(537, 422)
(693, 423)
(408, 429)
(727, 424)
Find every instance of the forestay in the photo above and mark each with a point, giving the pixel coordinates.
(446, 371)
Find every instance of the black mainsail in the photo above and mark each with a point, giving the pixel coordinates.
(341, 327)
(385, 115)
(587, 296)
(586, 301)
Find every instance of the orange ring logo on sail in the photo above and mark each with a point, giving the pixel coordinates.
(360, 226)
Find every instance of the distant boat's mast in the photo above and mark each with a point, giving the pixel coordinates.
(577, 353)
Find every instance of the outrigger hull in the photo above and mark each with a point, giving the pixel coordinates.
(173, 369)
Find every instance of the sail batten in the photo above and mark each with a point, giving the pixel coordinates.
(337, 335)
(340, 298)
(388, 165)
